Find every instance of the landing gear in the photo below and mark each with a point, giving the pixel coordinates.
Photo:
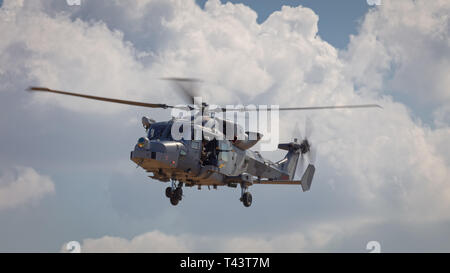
(169, 192)
(174, 201)
(246, 197)
(175, 194)
(178, 193)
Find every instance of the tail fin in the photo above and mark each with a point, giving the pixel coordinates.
(289, 163)
(308, 177)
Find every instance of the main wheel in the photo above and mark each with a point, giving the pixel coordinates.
(174, 201)
(247, 199)
(178, 193)
(169, 192)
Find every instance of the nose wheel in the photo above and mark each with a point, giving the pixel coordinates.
(175, 193)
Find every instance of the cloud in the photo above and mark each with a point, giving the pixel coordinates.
(329, 236)
(23, 186)
(402, 48)
(157, 241)
(154, 241)
(76, 55)
(332, 236)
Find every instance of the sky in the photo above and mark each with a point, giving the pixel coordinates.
(382, 175)
(337, 19)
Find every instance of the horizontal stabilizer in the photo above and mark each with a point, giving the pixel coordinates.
(305, 182)
(279, 182)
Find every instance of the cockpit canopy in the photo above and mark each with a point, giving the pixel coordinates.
(160, 131)
(163, 131)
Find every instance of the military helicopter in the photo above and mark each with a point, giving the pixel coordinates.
(213, 159)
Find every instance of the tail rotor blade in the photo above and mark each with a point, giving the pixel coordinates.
(312, 155)
(308, 128)
(297, 132)
(300, 167)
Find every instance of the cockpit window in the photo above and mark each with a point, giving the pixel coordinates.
(158, 131)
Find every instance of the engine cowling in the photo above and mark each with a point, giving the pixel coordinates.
(251, 138)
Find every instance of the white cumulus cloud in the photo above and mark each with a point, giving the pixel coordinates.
(156, 241)
(23, 186)
(403, 48)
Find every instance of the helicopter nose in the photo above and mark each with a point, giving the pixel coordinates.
(150, 146)
(158, 147)
(157, 154)
(143, 142)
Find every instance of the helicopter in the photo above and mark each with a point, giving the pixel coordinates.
(206, 155)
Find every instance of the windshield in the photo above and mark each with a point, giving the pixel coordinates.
(158, 131)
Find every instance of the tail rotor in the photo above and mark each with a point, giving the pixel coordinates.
(308, 151)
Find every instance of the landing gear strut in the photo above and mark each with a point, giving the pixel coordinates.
(246, 197)
(175, 193)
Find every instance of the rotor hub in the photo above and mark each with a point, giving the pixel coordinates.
(305, 146)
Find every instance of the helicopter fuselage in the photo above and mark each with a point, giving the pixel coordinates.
(184, 160)
(180, 161)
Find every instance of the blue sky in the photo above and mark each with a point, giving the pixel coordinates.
(382, 175)
(337, 19)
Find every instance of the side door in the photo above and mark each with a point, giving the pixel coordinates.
(190, 156)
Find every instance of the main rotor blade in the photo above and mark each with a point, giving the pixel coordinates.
(135, 103)
(178, 79)
(297, 133)
(186, 86)
(331, 107)
(309, 108)
(245, 109)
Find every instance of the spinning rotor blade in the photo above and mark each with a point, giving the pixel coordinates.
(300, 167)
(331, 107)
(309, 150)
(186, 86)
(301, 161)
(312, 155)
(312, 107)
(297, 132)
(135, 103)
(308, 128)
